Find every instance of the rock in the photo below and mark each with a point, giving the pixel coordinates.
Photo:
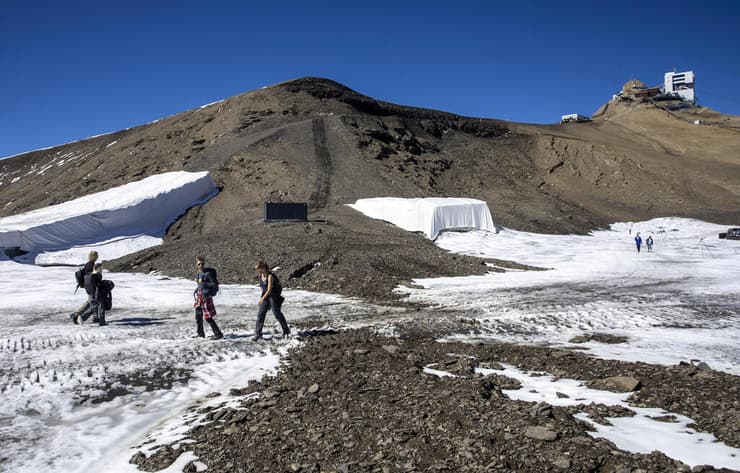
(701, 468)
(619, 384)
(540, 433)
(138, 458)
(541, 409)
(562, 463)
(392, 349)
(190, 468)
(598, 337)
(504, 382)
(560, 354)
(463, 366)
(313, 389)
(561, 395)
(703, 367)
(213, 394)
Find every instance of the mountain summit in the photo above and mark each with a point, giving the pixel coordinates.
(318, 141)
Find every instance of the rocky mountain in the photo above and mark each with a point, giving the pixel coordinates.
(318, 141)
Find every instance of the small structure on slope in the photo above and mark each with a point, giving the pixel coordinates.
(429, 216)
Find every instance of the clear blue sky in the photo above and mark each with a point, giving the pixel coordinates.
(70, 70)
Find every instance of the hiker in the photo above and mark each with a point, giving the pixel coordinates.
(638, 241)
(649, 243)
(85, 270)
(271, 298)
(203, 295)
(94, 289)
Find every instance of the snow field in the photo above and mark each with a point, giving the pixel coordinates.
(679, 302)
(83, 398)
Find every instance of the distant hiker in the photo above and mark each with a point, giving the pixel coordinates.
(207, 288)
(638, 241)
(94, 288)
(649, 243)
(271, 298)
(80, 274)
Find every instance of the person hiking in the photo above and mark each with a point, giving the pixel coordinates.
(649, 243)
(638, 241)
(94, 289)
(271, 298)
(87, 269)
(203, 295)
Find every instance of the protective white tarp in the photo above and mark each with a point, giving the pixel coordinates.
(136, 209)
(429, 215)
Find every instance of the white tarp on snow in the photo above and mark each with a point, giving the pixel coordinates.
(429, 215)
(136, 209)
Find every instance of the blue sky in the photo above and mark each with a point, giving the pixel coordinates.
(70, 70)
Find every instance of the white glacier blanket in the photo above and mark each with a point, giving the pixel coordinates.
(144, 207)
(429, 215)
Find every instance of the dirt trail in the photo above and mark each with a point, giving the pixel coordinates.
(324, 166)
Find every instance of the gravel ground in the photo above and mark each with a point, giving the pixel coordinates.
(356, 400)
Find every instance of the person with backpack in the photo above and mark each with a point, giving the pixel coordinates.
(649, 243)
(638, 241)
(80, 274)
(271, 298)
(94, 287)
(207, 288)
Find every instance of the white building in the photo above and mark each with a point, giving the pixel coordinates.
(574, 117)
(681, 84)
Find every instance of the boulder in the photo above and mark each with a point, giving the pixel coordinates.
(617, 384)
(540, 433)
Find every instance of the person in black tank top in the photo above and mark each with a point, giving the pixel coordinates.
(271, 298)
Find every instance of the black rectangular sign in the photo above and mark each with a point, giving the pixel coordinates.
(286, 212)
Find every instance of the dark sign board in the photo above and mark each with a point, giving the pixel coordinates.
(286, 212)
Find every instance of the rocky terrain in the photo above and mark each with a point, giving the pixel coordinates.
(314, 140)
(356, 401)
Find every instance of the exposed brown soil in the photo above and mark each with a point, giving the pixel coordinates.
(317, 141)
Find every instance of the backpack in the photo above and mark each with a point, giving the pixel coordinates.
(106, 294)
(210, 286)
(277, 288)
(80, 277)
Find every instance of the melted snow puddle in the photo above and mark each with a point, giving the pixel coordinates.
(639, 434)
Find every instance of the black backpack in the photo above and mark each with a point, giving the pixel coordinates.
(277, 288)
(106, 294)
(210, 286)
(80, 277)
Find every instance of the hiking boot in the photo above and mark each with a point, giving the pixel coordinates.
(216, 337)
(75, 318)
(95, 320)
(257, 338)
